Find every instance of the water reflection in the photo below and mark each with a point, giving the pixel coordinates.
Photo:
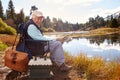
(111, 39)
(107, 47)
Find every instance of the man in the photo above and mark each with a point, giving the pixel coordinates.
(56, 50)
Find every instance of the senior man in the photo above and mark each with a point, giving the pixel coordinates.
(56, 49)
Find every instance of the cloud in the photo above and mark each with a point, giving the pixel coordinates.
(73, 2)
(104, 46)
(104, 12)
(55, 1)
(81, 2)
(115, 10)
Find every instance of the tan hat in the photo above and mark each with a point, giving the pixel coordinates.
(36, 13)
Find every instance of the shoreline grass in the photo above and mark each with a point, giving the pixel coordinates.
(94, 68)
(98, 32)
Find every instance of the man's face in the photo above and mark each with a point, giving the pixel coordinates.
(39, 19)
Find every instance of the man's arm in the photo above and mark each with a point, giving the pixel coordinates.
(34, 33)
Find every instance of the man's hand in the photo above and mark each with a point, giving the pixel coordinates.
(66, 38)
(60, 39)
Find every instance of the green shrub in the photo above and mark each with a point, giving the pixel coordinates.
(2, 46)
(5, 29)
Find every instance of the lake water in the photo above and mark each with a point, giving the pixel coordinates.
(107, 47)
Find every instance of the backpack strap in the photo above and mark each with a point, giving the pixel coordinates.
(14, 41)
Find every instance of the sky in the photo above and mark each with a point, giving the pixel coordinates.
(73, 11)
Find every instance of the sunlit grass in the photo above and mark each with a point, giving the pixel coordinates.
(69, 58)
(8, 39)
(98, 32)
(104, 31)
(95, 68)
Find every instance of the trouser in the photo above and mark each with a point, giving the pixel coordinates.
(56, 52)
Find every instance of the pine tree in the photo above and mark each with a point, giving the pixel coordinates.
(20, 17)
(33, 8)
(1, 10)
(113, 23)
(10, 12)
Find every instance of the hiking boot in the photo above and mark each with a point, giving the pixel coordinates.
(54, 64)
(65, 68)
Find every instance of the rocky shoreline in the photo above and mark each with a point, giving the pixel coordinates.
(3, 69)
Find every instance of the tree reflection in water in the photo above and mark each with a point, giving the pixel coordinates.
(107, 46)
(111, 39)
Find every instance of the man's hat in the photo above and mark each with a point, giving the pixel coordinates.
(37, 13)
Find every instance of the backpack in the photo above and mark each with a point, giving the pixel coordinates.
(21, 44)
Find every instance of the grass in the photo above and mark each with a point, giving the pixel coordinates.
(2, 46)
(95, 68)
(8, 39)
(98, 32)
(103, 31)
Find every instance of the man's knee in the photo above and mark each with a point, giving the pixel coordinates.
(54, 45)
(58, 43)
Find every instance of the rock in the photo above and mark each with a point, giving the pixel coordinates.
(4, 70)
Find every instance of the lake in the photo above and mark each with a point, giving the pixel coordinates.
(107, 47)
